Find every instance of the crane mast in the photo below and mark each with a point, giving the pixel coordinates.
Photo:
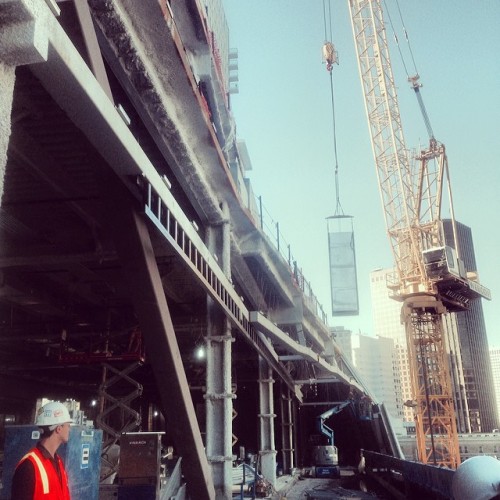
(411, 195)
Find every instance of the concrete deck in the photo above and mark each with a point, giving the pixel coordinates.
(345, 487)
(296, 487)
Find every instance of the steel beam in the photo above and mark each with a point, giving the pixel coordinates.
(91, 44)
(170, 220)
(263, 325)
(135, 250)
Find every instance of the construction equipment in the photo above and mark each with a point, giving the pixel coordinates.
(430, 277)
(325, 456)
(118, 388)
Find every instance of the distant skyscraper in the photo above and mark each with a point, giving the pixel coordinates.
(457, 373)
(387, 323)
(377, 363)
(343, 338)
(474, 343)
(376, 360)
(495, 368)
(385, 310)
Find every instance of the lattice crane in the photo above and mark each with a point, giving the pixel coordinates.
(430, 277)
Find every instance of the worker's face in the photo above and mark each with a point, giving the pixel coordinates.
(64, 432)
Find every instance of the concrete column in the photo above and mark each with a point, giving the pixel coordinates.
(7, 79)
(23, 40)
(219, 396)
(267, 450)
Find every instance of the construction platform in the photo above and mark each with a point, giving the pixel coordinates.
(350, 485)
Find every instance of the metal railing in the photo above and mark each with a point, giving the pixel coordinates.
(434, 480)
(162, 209)
(271, 228)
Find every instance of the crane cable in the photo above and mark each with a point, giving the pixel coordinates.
(330, 59)
(407, 38)
(396, 39)
(411, 78)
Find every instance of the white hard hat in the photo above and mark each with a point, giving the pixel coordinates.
(478, 478)
(53, 414)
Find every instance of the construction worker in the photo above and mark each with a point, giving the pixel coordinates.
(478, 478)
(40, 474)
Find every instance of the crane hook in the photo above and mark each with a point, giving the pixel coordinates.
(329, 55)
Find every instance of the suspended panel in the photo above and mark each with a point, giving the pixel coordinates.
(343, 275)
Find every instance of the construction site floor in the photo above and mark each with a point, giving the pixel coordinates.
(349, 486)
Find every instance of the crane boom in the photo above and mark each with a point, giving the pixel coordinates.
(411, 195)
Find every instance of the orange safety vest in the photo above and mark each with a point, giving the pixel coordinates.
(47, 484)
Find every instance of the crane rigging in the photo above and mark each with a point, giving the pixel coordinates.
(341, 247)
(330, 58)
(431, 279)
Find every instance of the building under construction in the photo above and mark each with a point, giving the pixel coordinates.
(136, 277)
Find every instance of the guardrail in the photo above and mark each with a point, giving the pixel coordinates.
(162, 209)
(419, 479)
(271, 228)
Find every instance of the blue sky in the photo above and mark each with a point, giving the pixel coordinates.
(283, 112)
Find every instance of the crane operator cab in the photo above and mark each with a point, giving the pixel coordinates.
(442, 263)
(454, 284)
(478, 478)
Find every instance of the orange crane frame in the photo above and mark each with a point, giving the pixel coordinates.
(428, 283)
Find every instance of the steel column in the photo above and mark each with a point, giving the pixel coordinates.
(287, 434)
(219, 395)
(267, 448)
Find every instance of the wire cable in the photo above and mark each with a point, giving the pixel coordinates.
(396, 40)
(414, 78)
(338, 206)
(324, 17)
(407, 37)
(328, 33)
(328, 36)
